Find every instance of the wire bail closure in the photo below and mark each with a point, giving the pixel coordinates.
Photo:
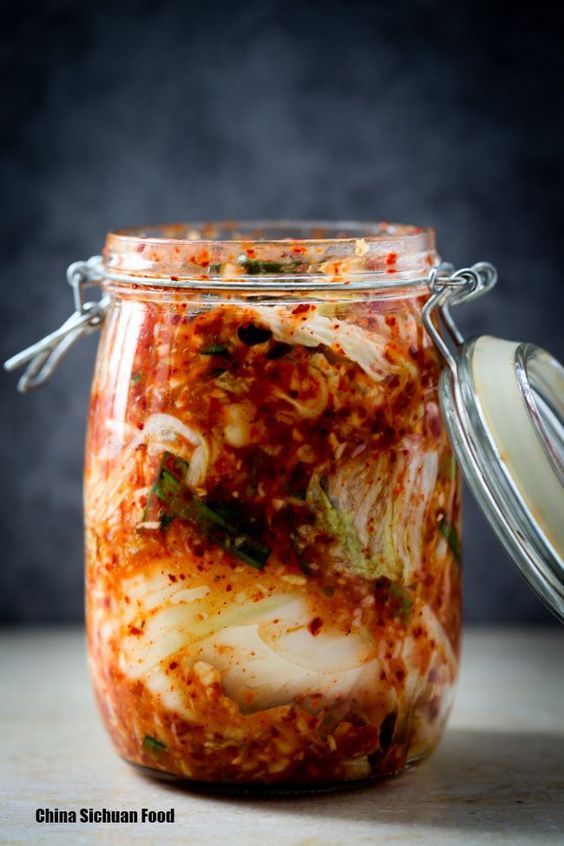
(43, 357)
(451, 287)
(448, 287)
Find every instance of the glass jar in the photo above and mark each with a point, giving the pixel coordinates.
(272, 501)
(272, 505)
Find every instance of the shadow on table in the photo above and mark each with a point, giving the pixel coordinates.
(480, 780)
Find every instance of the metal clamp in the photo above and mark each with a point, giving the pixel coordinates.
(451, 287)
(43, 357)
(448, 287)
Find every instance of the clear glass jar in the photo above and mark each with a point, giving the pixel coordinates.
(272, 505)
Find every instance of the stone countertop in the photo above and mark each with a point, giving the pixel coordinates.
(497, 777)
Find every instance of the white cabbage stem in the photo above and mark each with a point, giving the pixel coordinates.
(312, 407)
(365, 348)
(161, 432)
(169, 430)
(387, 502)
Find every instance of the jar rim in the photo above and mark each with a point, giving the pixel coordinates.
(203, 231)
(272, 253)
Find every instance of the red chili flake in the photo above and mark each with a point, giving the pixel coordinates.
(135, 631)
(174, 278)
(391, 258)
(202, 258)
(315, 625)
(176, 318)
(172, 577)
(433, 420)
(140, 247)
(390, 320)
(301, 308)
(173, 665)
(228, 588)
(251, 252)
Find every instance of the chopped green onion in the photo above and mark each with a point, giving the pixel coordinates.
(403, 599)
(166, 520)
(448, 531)
(256, 268)
(152, 492)
(218, 522)
(448, 467)
(153, 744)
(215, 349)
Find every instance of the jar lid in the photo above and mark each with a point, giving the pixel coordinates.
(503, 406)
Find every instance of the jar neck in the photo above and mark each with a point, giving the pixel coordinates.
(271, 254)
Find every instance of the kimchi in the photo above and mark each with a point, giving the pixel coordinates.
(272, 523)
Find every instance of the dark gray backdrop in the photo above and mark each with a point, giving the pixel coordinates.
(122, 113)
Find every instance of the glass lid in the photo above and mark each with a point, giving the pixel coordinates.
(504, 414)
(503, 405)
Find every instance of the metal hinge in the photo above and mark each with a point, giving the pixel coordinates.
(450, 287)
(43, 357)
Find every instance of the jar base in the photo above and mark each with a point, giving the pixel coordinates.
(257, 790)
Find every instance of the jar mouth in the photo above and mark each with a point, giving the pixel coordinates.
(271, 253)
(243, 231)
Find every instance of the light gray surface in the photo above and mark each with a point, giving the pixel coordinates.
(497, 777)
(115, 117)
